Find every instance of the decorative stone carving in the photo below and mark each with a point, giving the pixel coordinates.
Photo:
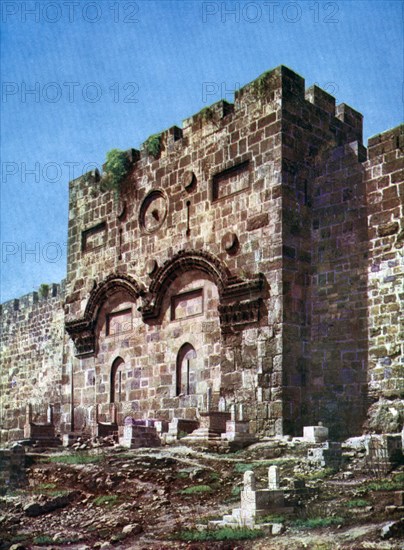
(91, 284)
(153, 211)
(82, 330)
(151, 267)
(188, 180)
(121, 210)
(230, 243)
(236, 315)
(82, 334)
(232, 309)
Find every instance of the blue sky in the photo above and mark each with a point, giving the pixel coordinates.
(107, 74)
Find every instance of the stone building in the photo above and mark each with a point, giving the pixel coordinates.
(256, 256)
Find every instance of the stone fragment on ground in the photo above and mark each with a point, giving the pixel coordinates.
(393, 529)
(36, 509)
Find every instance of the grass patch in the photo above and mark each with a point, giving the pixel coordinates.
(224, 533)
(235, 491)
(105, 500)
(19, 538)
(125, 455)
(196, 489)
(318, 474)
(315, 523)
(271, 518)
(80, 458)
(184, 473)
(384, 485)
(58, 493)
(242, 467)
(43, 539)
(357, 503)
(50, 490)
(395, 484)
(45, 486)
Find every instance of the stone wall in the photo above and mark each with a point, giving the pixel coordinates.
(385, 199)
(324, 262)
(196, 215)
(12, 468)
(254, 255)
(32, 359)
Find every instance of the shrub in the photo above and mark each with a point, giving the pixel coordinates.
(116, 168)
(152, 145)
(235, 491)
(262, 85)
(208, 114)
(44, 290)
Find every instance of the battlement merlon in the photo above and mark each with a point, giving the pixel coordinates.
(30, 300)
(387, 141)
(276, 88)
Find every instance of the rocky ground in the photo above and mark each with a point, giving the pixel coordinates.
(163, 499)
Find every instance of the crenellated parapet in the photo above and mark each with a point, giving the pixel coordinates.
(272, 89)
(33, 300)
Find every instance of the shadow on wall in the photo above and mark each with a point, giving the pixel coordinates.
(338, 372)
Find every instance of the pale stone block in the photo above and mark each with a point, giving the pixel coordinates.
(315, 434)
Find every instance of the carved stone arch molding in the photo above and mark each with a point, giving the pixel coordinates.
(240, 299)
(82, 330)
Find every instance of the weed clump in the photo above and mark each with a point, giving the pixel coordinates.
(196, 489)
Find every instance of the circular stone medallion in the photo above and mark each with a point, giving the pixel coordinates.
(153, 211)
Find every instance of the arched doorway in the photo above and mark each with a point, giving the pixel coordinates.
(118, 375)
(186, 370)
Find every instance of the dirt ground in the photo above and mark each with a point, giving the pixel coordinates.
(159, 498)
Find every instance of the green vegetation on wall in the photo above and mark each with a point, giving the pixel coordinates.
(115, 170)
(152, 145)
(44, 290)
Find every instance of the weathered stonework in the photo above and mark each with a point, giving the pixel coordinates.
(33, 361)
(258, 259)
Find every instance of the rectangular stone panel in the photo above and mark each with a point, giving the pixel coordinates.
(231, 181)
(118, 322)
(187, 304)
(94, 237)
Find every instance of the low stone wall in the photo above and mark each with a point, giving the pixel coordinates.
(12, 468)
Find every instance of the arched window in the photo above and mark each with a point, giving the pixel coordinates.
(186, 370)
(117, 381)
